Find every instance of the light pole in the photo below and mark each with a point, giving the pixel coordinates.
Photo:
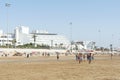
(111, 49)
(99, 37)
(7, 5)
(70, 36)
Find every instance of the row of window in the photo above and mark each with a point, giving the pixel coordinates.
(5, 40)
(5, 37)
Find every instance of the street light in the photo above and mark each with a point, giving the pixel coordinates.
(71, 31)
(70, 36)
(7, 5)
(99, 31)
(111, 49)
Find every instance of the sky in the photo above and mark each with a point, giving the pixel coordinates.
(92, 20)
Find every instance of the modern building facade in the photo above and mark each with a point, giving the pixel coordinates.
(6, 38)
(23, 36)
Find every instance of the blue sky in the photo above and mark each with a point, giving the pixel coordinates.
(96, 20)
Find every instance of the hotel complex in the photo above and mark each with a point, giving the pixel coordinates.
(22, 36)
(6, 38)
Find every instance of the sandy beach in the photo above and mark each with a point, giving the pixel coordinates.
(67, 68)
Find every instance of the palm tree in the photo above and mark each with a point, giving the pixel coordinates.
(61, 45)
(34, 37)
(14, 42)
(56, 45)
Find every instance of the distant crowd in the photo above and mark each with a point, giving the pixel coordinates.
(82, 57)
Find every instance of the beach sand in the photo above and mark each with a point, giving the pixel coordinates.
(48, 68)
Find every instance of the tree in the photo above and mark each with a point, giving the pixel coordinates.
(56, 45)
(14, 42)
(34, 37)
(61, 45)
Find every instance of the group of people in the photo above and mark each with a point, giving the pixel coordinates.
(82, 57)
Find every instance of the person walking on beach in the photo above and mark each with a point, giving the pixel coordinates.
(89, 57)
(28, 55)
(57, 56)
(80, 57)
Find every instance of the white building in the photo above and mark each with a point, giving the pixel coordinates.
(43, 37)
(19, 32)
(82, 46)
(23, 36)
(5, 39)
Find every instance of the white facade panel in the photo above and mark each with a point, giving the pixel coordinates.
(23, 37)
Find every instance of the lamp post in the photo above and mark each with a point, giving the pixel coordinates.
(111, 49)
(99, 31)
(70, 36)
(7, 5)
